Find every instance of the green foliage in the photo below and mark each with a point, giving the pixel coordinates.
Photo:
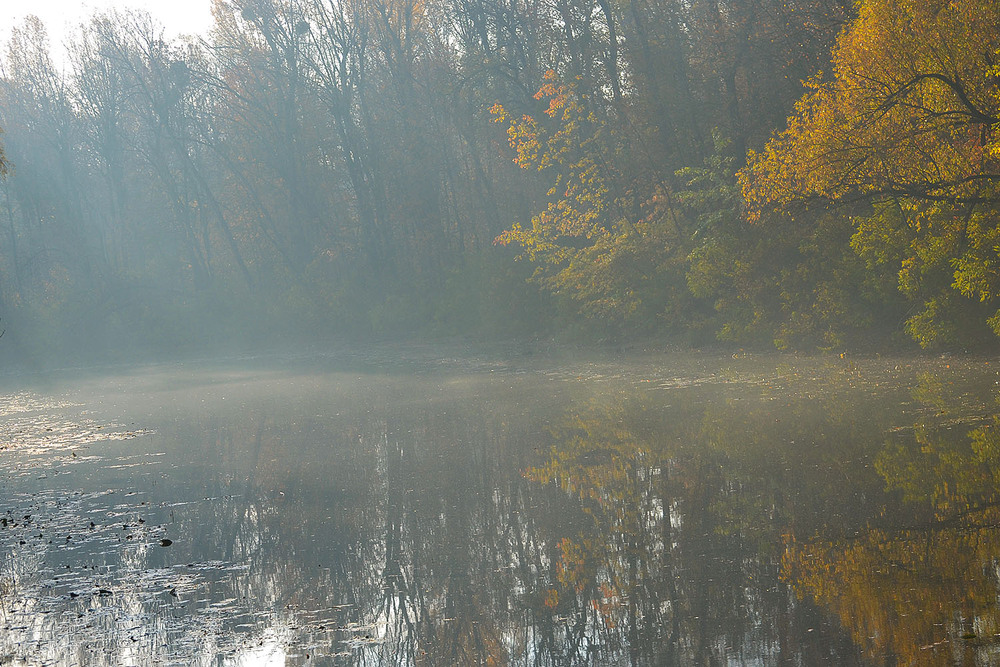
(793, 281)
(940, 258)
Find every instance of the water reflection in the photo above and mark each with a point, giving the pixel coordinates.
(731, 512)
(920, 585)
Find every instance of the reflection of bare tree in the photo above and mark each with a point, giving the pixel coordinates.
(615, 549)
(431, 611)
(485, 523)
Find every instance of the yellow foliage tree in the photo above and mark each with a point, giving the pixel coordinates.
(912, 110)
(577, 198)
(909, 119)
(582, 241)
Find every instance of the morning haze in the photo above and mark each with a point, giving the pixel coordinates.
(448, 332)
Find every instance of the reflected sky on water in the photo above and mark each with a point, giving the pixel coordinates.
(401, 509)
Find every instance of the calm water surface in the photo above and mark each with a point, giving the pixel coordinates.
(403, 509)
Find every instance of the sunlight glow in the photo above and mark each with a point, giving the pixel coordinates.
(61, 17)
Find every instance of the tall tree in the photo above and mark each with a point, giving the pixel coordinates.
(909, 121)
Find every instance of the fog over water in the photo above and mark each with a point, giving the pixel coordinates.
(392, 509)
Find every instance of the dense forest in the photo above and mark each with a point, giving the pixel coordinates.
(805, 174)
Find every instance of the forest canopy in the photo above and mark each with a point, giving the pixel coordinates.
(909, 123)
(807, 174)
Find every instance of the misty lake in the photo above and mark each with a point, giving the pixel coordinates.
(408, 508)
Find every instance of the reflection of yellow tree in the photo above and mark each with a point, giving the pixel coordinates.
(678, 541)
(947, 475)
(912, 594)
(924, 591)
(613, 559)
(612, 474)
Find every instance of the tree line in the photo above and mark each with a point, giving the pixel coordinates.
(798, 173)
